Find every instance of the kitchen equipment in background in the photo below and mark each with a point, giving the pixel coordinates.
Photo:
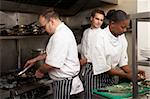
(36, 29)
(19, 30)
(29, 87)
(145, 53)
(3, 30)
(36, 52)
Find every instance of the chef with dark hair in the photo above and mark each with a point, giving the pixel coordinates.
(61, 58)
(109, 53)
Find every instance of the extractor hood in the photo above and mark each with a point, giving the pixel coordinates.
(65, 7)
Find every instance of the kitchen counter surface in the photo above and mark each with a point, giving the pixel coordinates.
(121, 91)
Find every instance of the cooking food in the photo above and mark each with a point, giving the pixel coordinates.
(120, 88)
(146, 82)
(141, 76)
(23, 75)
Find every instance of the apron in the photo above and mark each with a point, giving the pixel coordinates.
(63, 89)
(95, 81)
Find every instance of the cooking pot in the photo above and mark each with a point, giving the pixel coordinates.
(19, 30)
(22, 29)
(35, 29)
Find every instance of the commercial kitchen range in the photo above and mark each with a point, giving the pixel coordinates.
(16, 50)
(25, 86)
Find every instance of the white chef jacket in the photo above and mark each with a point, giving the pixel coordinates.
(88, 36)
(62, 53)
(107, 51)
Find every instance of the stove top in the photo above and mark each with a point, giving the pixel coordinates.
(25, 86)
(11, 80)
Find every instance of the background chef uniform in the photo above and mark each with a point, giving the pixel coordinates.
(103, 53)
(87, 43)
(62, 53)
(107, 53)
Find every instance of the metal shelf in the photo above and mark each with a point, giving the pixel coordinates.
(145, 16)
(18, 46)
(144, 63)
(21, 37)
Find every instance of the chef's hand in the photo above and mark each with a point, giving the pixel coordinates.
(141, 75)
(39, 74)
(30, 63)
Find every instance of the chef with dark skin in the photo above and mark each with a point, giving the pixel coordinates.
(108, 53)
(112, 46)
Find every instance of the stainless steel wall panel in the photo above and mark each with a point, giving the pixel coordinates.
(8, 58)
(18, 49)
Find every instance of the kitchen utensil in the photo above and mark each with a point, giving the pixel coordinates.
(102, 90)
(23, 71)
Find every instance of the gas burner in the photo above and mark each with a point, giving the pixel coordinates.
(25, 86)
(4, 84)
(29, 91)
(11, 81)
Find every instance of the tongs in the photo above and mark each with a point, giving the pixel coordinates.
(23, 71)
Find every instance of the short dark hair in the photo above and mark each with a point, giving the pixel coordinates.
(109, 13)
(50, 13)
(97, 11)
(117, 15)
